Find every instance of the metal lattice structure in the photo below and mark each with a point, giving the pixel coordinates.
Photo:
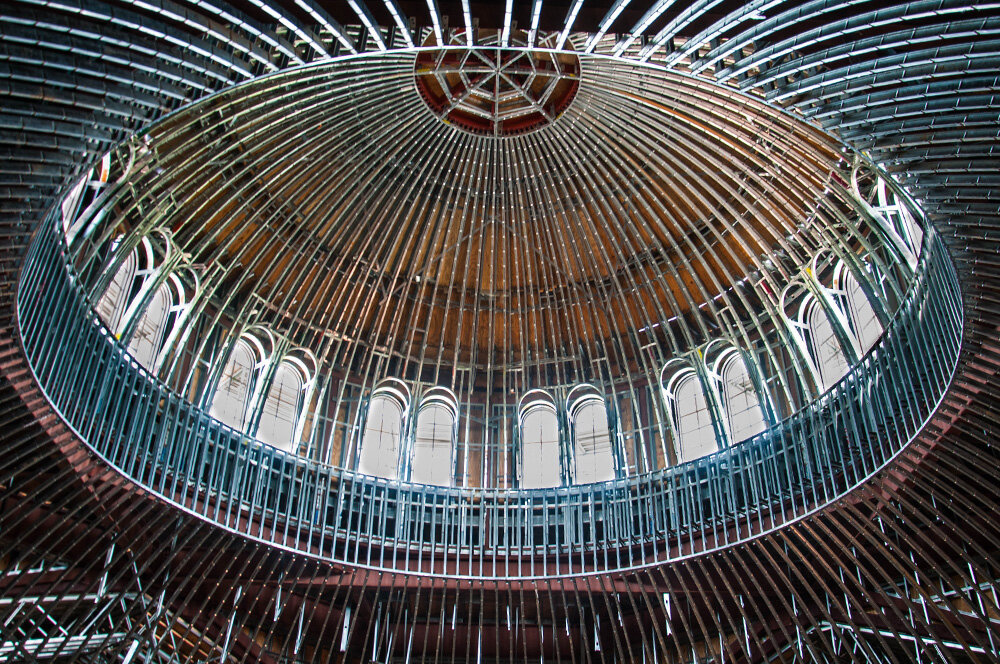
(619, 198)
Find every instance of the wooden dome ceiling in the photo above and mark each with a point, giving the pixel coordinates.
(332, 202)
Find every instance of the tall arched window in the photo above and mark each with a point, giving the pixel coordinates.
(827, 353)
(895, 208)
(540, 459)
(116, 297)
(81, 196)
(893, 219)
(151, 329)
(231, 401)
(865, 324)
(115, 304)
(381, 440)
(741, 404)
(593, 453)
(813, 333)
(283, 406)
(433, 456)
(691, 416)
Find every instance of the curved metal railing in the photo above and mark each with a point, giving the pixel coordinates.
(170, 446)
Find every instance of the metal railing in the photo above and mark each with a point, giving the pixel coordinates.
(170, 446)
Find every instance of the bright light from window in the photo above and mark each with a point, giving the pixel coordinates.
(280, 412)
(695, 433)
(867, 328)
(540, 462)
(827, 352)
(229, 405)
(115, 300)
(593, 457)
(741, 403)
(434, 446)
(151, 330)
(380, 441)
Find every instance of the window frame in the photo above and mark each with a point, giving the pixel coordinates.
(396, 392)
(532, 404)
(158, 332)
(860, 312)
(303, 375)
(581, 397)
(129, 267)
(729, 357)
(258, 357)
(681, 372)
(437, 397)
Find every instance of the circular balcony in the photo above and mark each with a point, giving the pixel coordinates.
(174, 449)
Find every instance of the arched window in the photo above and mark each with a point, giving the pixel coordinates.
(899, 215)
(893, 218)
(827, 353)
(116, 297)
(540, 459)
(231, 402)
(82, 195)
(151, 330)
(814, 333)
(381, 440)
(433, 455)
(283, 406)
(593, 454)
(744, 415)
(115, 304)
(865, 324)
(691, 416)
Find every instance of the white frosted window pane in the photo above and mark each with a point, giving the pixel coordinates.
(828, 354)
(593, 454)
(433, 447)
(114, 301)
(281, 408)
(230, 402)
(151, 330)
(742, 406)
(899, 216)
(867, 327)
(914, 233)
(540, 463)
(71, 202)
(380, 442)
(694, 421)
